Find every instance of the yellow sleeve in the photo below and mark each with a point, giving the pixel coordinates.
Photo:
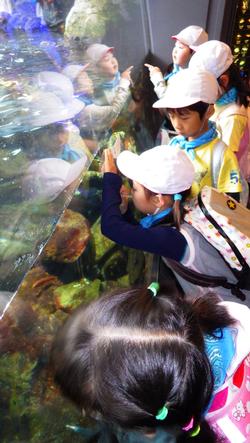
(229, 176)
(232, 129)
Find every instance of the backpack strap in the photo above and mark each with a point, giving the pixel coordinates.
(204, 280)
(216, 161)
(242, 276)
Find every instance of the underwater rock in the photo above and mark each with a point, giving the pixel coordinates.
(86, 20)
(69, 240)
(115, 266)
(68, 297)
(102, 243)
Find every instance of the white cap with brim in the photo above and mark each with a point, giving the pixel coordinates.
(44, 108)
(47, 178)
(192, 36)
(97, 51)
(164, 169)
(189, 86)
(213, 56)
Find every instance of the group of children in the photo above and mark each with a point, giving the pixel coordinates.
(157, 364)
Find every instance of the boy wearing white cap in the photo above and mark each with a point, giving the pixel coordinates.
(186, 42)
(231, 108)
(162, 178)
(188, 102)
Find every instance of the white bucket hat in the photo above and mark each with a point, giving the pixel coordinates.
(96, 51)
(72, 71)
(45, 179)
(164, 169)
(43, 108)
(213, 56)
(192, 36)
(189, 86)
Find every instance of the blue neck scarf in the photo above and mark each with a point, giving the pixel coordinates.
(176, 69)
(230, 96)
(152, 219)
(220, 350)
(189, 146)
(112, 83)
(86, 99)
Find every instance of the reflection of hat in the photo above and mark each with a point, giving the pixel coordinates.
(96, 51)
(48, 177)
(191, 36)
(164, 169)
(57, 83)
(187, 87)
(43, 108)
(213, 56)
(72, 71)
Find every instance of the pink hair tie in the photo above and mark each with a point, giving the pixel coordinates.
(189, 426)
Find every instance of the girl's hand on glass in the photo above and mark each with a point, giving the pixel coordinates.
(109, 164)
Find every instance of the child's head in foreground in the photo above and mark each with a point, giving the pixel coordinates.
(188, 101)
(185, 42)
(137, 359)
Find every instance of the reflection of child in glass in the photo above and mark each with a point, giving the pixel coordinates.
(230, 114)
(108, 79)
(187, 102)
(186, 41)
(95, 116)
(143, 361)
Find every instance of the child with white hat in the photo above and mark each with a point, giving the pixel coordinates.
(186, 42)
(105, 67)
(58, 87)
(95, 117)
(162, 179)
(47, 178)
(188, 103)
(231, 108)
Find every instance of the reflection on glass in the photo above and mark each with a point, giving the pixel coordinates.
(64, 96)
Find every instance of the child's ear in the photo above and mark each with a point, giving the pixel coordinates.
(210, 111)
(158, 200)
(224, 81)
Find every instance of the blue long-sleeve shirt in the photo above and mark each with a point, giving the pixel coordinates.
(158, 239)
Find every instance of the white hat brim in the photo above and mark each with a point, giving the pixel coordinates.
(71, 109)
(174, 102)
(129, 165)
(75, 170)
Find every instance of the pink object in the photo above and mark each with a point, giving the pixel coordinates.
(229, 415)
(189, 426)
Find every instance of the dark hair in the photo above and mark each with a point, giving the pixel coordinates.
(236, 81)
(128, 354)
(199, 107)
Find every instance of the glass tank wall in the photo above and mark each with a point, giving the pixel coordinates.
(59, 108)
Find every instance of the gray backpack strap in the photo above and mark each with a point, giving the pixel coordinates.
(216, 161)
